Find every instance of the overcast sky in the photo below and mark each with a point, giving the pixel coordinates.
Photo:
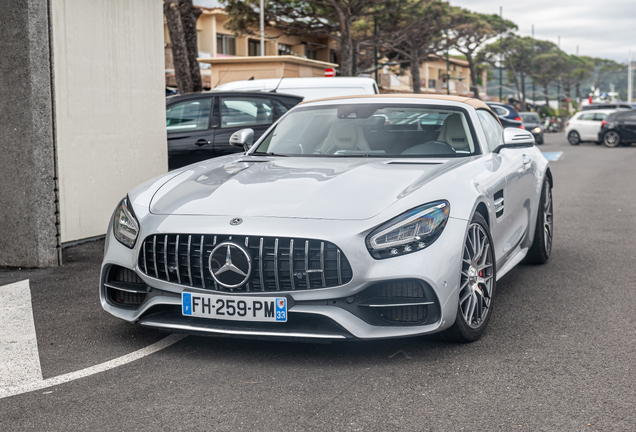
(600, 28)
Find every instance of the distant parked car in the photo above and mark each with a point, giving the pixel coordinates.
(507, 114)
(608, 105)
(200, 124)
(532, 123)
(618, 128)
(585, 126)
(309, 88)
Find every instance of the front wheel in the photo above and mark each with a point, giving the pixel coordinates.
(611, 139)
(574, 138)
(477, 284)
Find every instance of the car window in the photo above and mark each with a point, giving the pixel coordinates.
(242, 112)
(502, 112)
(282, 109)
(372, 130)
(530, 118)
(492, 129)
(587, 117)
(600, 116)
(630, 116)
(188, 116)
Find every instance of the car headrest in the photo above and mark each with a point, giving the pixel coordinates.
(345, 134)
(454, 133)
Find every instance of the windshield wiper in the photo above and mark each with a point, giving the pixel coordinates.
(256, 153)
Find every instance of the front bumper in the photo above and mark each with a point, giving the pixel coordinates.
(323, 313)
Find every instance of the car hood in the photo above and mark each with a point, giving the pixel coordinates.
(295, 187)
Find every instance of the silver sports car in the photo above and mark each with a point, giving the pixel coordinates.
(358, 217)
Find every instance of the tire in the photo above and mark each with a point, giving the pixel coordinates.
(477, 285)
(574, 138)
(611, 139)
(541, 248)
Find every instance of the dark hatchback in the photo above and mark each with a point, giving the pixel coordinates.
(507, 114)
(199, 125)
(532, 122)
(618, 128)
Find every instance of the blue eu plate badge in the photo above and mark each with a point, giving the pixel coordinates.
(187, 303)
(281, 309)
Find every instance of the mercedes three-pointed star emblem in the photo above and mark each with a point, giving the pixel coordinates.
(237, 268)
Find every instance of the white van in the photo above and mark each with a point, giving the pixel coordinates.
(309, 88)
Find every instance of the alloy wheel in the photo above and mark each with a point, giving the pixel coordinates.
(476, 288)
(574, 138)
(611, 139)
(548, 222)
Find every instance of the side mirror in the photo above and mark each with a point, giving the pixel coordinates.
(243, 138)
(516, 138)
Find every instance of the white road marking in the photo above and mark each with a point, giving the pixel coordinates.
(19, 357)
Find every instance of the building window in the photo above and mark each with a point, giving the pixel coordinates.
(253, 47)
(431, 83)
(284, 49)
(225, 45)
(311, 53)
(333, 57)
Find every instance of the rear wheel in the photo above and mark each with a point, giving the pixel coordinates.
(611, 139)
(574, 138)
(477, 284)
(541, 248)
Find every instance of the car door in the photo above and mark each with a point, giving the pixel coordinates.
(586, 126)
(190, 137)
(511, 184)
(627, 127)
(240, 112)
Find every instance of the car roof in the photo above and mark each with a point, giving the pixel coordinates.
(231, 93)
(603, 111)
(475, 103)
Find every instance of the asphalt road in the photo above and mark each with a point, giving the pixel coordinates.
(559, 353)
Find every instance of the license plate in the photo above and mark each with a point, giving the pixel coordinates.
(214, 306)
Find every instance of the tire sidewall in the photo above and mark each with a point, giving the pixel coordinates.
(573, 134)
(616, 143)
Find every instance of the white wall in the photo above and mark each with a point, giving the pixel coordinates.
(108, 61)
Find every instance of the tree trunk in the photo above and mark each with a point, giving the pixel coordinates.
(189, 16)
(415, 69)
(346, 54)
(179, 48)
(545, 93)
(522, 77)
(473, 76)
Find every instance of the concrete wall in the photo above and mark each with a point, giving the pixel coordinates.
(27, 149)
(109, 105)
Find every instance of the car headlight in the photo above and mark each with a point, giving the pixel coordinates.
(125, 225)
(409, 232)
(537, 130)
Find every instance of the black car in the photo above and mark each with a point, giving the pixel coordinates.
(608, 105)
(507, 114)
(200, 124)
(618, 128)
(532, 123)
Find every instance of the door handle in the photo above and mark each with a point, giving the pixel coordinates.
(526, 160)
(202, 142)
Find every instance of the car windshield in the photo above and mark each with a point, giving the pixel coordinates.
(530, 118)
(371, 130)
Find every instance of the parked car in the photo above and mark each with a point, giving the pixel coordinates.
(200, 124)
(609, 105)
(532, 122)
(308, 88)
(618, 128)
(507, 114)
(585, 125)
(345, 220)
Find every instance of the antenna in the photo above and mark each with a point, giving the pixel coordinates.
(278, 85)
(217, 83)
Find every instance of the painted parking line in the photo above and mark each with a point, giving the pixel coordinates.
(19, 356)
(553, 156)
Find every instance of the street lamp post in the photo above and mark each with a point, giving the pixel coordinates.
(262, 29)
(447, 67)
(532, 67)
(500, 61)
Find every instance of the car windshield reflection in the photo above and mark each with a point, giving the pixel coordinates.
(371, 130)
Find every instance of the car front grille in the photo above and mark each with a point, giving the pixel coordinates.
(280, 264)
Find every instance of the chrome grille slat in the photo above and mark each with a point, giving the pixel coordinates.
(279, 264)
(189, 259)
(291, 264)
(307, 264)
(176, 258)
(260, 264)
(276, 264)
